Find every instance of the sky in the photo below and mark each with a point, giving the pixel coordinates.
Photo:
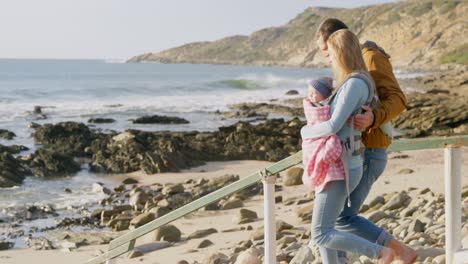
(120, 29)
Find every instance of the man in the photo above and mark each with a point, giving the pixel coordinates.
(392, 102)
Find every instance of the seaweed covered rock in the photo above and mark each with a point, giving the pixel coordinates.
(12, 173)
(49, 163)
(65, 137)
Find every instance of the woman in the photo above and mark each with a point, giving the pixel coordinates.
(346, 58)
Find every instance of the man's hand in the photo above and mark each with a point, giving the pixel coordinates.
(364, 120)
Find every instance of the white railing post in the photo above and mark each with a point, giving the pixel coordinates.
(269, 219)
(452, 203)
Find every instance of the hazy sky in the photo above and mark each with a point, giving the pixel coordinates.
(119, 29)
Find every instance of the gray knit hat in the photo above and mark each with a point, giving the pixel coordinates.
(324, 85)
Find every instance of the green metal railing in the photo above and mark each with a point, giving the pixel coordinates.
(126, 242)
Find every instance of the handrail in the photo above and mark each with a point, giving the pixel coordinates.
(126, 242)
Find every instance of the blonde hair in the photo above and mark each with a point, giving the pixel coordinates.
(347, 52)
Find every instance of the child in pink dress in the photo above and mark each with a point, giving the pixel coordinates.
(321, 156)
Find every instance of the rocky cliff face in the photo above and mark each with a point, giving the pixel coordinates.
(417, 33)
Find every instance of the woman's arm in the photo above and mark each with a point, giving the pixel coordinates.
(348, 98)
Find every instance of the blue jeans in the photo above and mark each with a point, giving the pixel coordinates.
(327, 207)
(375, 161)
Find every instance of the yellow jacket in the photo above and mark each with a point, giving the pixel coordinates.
(392, 101)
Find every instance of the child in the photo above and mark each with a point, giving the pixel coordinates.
(321, 156)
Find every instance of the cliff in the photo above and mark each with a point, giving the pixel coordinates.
(417, 33)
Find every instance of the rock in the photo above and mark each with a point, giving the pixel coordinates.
(303, 256)
(5, 245)
(67, 137)
(215, 258)
(138, 198)
(377, 216)
(171, 189)
(99, 188)
(377, 200)
(39, 243)
(439, 259)
(168, 233)
(135, 254)
(425, 252)
(258, 234)
(231, 204)
(365, 260)
(305, 213)
(416, 226)
(292, 92)
(156, 119)
(101, 120)
(12, 173)
(49, 163)
(130, 181)
(120, 223)
(281, 225)
(250, 256)
(5, 134)
(202, 233)
(68, 245)
(205, 243)
(397, 201)
(245, 216)
(182, 262)
(293, 176)
(141, 219)
(405, 171)
(159, 211)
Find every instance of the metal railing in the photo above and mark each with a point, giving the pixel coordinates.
(452, 145)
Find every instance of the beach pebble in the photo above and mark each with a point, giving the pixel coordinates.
(293, 176)
(182, 262)
(439, 259)
(159, 211)
(305, 213)
(376, 216)
(138, 198)
(168, 233)
(416, 226)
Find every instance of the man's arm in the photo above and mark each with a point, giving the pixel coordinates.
(392, 101)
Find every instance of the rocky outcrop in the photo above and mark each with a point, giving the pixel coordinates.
(434, 115)
(48, 163)
(415, 33)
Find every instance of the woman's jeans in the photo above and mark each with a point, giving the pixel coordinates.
(327, 207)
(375, 160)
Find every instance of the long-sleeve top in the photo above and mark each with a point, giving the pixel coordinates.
(320, 156)
(392, 101)
(352, 94)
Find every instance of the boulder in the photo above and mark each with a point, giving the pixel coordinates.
(303, 256)
(101, 120)
(4, 245)
(292, 92)
(215, 258)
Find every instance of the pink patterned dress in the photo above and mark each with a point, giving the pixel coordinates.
(320, 156)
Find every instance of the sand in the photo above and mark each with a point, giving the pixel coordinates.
(428, 166)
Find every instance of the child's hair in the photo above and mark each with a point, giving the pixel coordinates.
(323, 85)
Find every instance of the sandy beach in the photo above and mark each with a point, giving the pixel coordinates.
(428, 173)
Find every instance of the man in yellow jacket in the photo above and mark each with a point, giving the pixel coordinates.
(392, 102)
